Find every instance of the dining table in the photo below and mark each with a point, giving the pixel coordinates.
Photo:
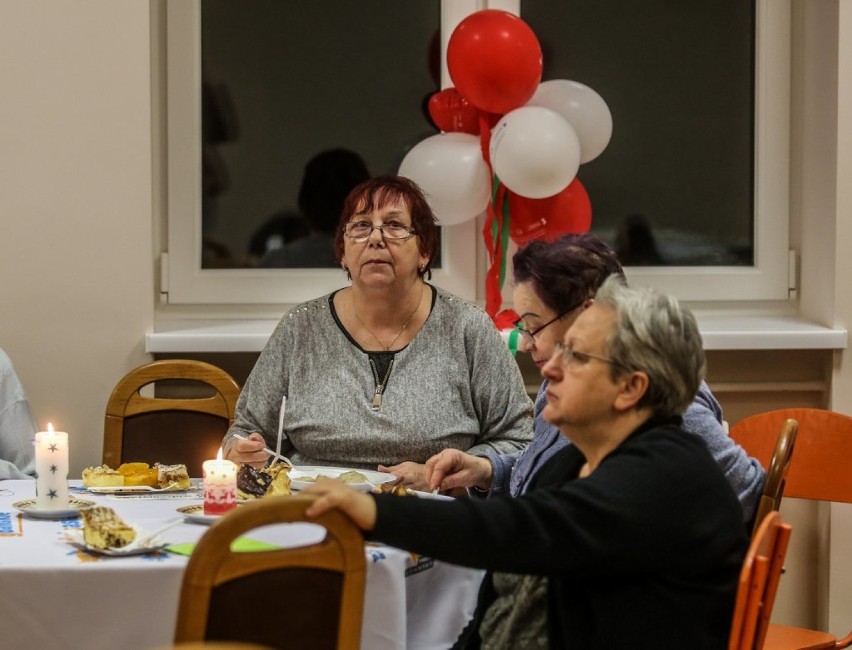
(56, 595)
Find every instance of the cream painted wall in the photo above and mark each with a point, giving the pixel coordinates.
(824, 147)
(76, 249)
(840, 538)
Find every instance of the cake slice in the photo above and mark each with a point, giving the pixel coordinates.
(104, 529)
(280, 474)
(254, 484)
(102, 476)
(175, 477)
(139, 474)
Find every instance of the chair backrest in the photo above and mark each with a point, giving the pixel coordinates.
(305, 597)
(757, 432)
(758, 583)
(819, 468)
(186, 429)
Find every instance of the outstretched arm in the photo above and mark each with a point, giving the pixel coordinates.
(452, 469)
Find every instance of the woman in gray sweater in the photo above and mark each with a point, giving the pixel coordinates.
(390, 370)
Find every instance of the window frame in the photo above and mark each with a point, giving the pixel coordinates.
(185, 282)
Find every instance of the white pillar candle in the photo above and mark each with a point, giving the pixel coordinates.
(220, 485)
(51, 456)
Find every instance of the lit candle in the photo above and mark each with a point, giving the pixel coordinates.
(51, 456)
(220, 485)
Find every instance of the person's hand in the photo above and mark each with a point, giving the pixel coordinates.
(409, 474)
(360, 507)
(452, 468)
(250, 450)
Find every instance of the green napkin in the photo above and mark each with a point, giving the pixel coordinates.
(239, 545)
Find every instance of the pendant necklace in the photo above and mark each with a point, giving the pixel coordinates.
(401, 329)
(380, 384)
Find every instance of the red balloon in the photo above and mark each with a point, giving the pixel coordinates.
(494, 60)
(569, 211)
(452, 113)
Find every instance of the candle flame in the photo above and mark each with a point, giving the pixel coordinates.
(49, 427)
(219, 455)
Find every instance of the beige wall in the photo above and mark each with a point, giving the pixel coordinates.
(76, 293)
(839, 573)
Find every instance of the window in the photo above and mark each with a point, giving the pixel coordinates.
(740, 271)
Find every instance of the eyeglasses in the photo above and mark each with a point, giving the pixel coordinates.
(571, 356)
(360, 231)
(529, 335)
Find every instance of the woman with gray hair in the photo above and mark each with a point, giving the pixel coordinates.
(648, 322)
(634, 525)
(554, 283)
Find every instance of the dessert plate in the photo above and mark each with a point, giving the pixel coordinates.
(29, 508)
(195, 514)
(135, 489)
(303, 476)
(75, 538)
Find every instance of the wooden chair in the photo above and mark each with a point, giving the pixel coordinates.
(819, 471)
(187, 429)
(758, 583)
(755, 434)
(305, 597)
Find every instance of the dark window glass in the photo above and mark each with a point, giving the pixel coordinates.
(284, 81)
(675, 186)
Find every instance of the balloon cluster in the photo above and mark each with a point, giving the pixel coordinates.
(511, 143)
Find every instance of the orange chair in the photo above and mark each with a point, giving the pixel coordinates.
(818, 471)
(754, 434)
(305, 597)
(758, 583)
(169, 430)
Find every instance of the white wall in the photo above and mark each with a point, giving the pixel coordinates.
(76, 285)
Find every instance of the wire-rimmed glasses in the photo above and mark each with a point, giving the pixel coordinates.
(529, 335)
(361, 230)
(570, 355)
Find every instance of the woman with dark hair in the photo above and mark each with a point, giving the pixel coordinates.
(554, 283)
(389, 371)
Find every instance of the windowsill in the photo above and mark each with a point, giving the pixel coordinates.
(721, 330)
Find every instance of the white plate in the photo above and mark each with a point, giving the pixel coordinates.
(135, 489)
(29, 508)
(300, 472)
(195, 514)
(75, 538)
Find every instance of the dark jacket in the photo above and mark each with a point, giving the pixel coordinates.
(643, 553)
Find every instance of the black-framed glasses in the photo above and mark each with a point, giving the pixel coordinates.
(571, 356)
(361, 230)
(529, 335)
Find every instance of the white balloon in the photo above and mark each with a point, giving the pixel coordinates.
(584, 109)
(534, 152)
(452, 174)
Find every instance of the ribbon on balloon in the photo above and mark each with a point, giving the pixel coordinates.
(495, 233)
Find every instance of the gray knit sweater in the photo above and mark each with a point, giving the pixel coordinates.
(455, 385)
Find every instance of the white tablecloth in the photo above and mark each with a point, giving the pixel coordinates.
(53, 596)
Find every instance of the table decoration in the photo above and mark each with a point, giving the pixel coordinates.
(51, 456)
(220, 485)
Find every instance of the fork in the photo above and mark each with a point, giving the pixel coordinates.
(269, 451)
(145, 539)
